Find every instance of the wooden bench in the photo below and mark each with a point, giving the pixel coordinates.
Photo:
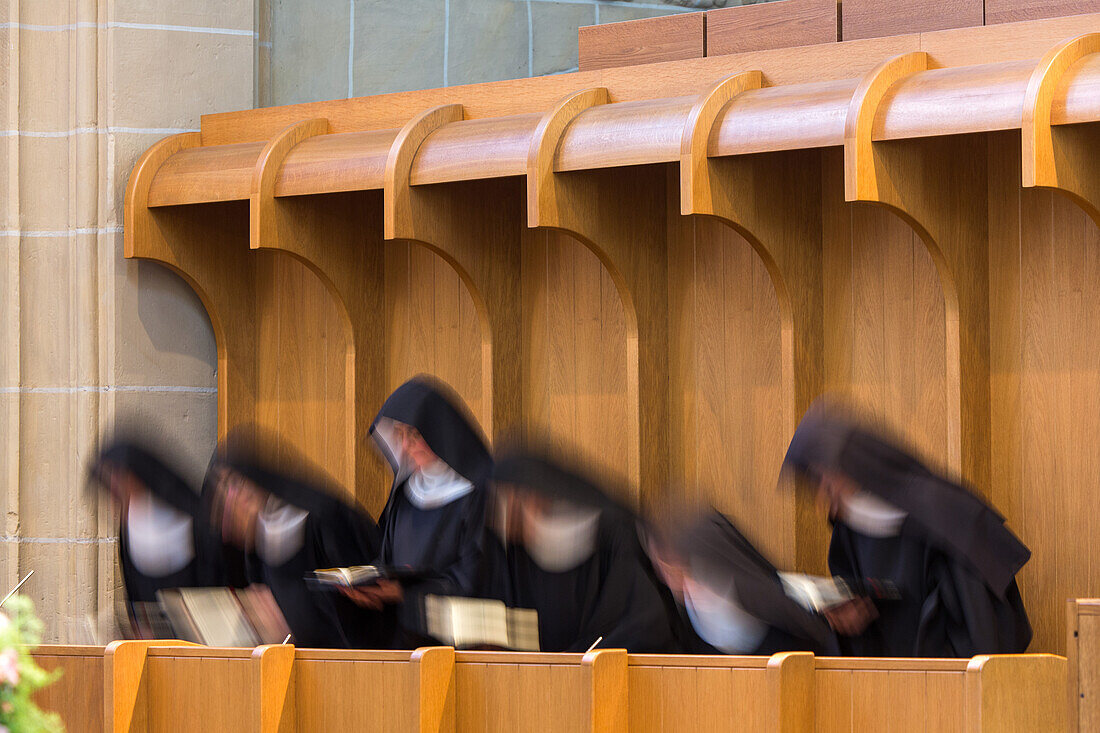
(167, 686)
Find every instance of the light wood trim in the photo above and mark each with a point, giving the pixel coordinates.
(462, 657)
(690, 660)
(136, 209)
(890, 664)
(272, 666)
(199, 651)
(791, 691)
(1088, 606)
(1073, 661)
(542, 193)
(696, 196)
(69, 650)
(1016, 692)
(606, 685)
(860, 177)
(123, 668)
(399, 163)
(435, 679)
(349, 655)
(266, 173)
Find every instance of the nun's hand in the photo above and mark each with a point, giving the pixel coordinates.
(375, 596)
(851, 618)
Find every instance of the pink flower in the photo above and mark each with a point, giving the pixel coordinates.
(9, 667)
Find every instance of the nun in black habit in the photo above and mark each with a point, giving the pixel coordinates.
(434, 520)
(164, 540)
(289, 526)
(564, 548)
(949, 553)
(730, 598)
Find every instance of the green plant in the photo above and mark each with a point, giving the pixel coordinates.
(20, 677)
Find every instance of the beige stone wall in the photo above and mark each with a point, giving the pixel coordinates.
(328, 49)
(85, 336)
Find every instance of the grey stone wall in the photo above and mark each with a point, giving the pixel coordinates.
(310, 50)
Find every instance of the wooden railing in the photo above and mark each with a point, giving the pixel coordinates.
(172, 686)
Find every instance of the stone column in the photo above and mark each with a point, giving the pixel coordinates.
(86, 337)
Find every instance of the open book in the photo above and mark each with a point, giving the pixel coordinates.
(224, 617)
(332, 578)
(475, 622)
(817, 593)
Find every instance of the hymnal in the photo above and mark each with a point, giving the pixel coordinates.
(223, 616)
(475, 622)
(817, 593)
(334, 578)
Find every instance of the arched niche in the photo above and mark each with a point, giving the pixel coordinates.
(432, 324)
(886, 320)
(727, 393)
(1044, 298)
(575, 373)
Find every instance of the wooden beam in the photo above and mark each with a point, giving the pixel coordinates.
(875, 18)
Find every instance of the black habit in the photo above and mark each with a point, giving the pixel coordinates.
(952, 558)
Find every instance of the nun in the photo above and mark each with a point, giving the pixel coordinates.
(730, 598)
(288, 526)
(949, 554)
(561, 546)
(163, 538)
(433, 524)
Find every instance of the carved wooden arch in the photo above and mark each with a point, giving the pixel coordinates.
(592, 206)
(1060, 157)
(744, 193)
(337, 236)
(211, 264)
(454, 221)
(931, 184)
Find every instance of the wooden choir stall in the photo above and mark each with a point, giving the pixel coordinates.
(660, 267)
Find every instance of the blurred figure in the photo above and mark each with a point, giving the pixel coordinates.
(434, 519)
(164, 540)
(949, 553)
(560, 546)
(730, 597)
(289, 526)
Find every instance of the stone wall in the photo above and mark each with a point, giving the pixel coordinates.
(326, 49)
(85, 336)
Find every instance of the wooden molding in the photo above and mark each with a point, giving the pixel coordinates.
(791, 691)
(435, 679)
(136, 209)
(397, 219)
(696, 194)
(123, 669)
(860, 177)
(607, 688)
(272, 667)
(262, 231)
(542, 193)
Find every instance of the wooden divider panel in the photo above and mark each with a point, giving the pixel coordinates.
(477, 228)
(1016, 692)
(620, 215)
(339, 237)
(199, 688)
(744, 192)
(1044, 274)
(77, 695)
(935, 185)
